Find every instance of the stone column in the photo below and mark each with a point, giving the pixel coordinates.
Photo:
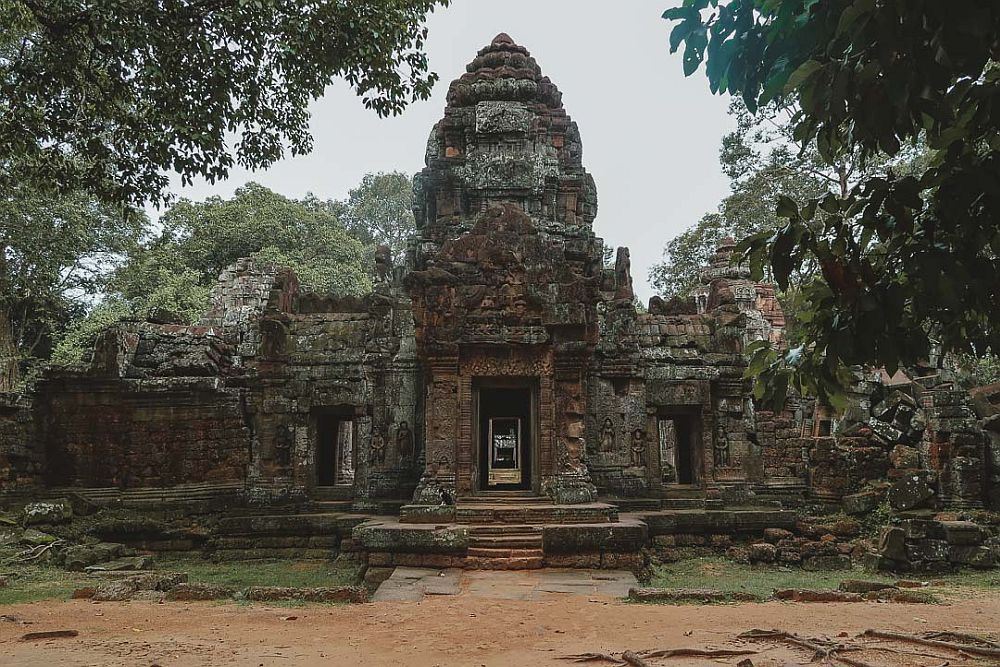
(437, 484)
(570, 479)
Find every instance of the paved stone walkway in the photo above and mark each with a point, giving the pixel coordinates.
(413, 583)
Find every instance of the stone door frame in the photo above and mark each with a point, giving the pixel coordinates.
(478, 383)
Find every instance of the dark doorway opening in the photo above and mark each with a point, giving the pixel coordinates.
(677, 437)
(505, 437)
(335, 451)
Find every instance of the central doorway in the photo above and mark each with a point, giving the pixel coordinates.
(505, 437)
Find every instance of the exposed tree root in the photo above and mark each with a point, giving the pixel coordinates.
(631, 658)
(638, 659)
(822, 648)
(592, 657)
(961, 637)
(696, 653)
(971, 649)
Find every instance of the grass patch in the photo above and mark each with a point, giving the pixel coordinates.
(242, 574)
(43, 582)
(40, 582)
(978, 579)
(719, 574)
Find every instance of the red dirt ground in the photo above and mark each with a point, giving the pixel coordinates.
(457, 630)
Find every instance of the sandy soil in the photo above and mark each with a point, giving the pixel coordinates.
(458, 630)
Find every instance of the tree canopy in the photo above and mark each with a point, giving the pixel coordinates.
(200, 239)
(111, 97)
(55, 254)
(380, 211)
(907, 262)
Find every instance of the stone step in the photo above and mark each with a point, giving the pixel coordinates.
(534, 514)
(502, 529)
(504, 499)
(523, 541)
(527, 560)
(682, 504)
(504, 552)
(633, 504)
(326, 506)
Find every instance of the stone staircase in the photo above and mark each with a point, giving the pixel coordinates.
(505, 547)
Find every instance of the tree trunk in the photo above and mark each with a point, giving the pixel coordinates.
(9, 371)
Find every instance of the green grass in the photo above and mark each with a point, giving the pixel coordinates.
(40, 582)
(44, 582)
(719, 574)
(241, 574)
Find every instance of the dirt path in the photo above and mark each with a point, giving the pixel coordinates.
(454, 630)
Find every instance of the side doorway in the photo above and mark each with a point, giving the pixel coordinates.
(336, 445)
(679, 435)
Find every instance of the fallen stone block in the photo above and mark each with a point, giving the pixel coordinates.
(892, 544)
(688, 595)
(281, 594)
(861, 586)
(763, 553)
(807, 595)
(978, 557)
(775, 535)
(931, 550)
(908, 493)
(199, 592)
(80, 556)
(896, 595)
(84, 593)
(115, 591)
(48, 512)
(862, 503)
(122, 564)
(962, 533)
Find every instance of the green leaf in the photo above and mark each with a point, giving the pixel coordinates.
(802, 74)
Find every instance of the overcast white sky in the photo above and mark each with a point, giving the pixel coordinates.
(650, 136)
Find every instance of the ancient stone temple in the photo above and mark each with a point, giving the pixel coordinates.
(500, 396)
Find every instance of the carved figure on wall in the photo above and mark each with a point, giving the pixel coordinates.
(383, 264)
(404, 440)
(283, 447)
(638, 449)
(608, 436)
(721, 448)
(377, 457)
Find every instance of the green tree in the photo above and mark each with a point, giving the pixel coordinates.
(380, 211)
(111, 97)
(200, 239)
(906, 261)
(55, 256)
(173, 271)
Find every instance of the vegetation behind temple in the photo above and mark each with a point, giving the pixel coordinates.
(100, 268)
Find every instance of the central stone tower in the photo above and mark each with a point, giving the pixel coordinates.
(505, 280)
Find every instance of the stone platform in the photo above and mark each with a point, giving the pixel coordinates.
(504, 534)
(411, 584)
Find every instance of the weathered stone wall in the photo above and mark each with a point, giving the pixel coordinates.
(341, 357)
(130, 434)
(21, 458)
